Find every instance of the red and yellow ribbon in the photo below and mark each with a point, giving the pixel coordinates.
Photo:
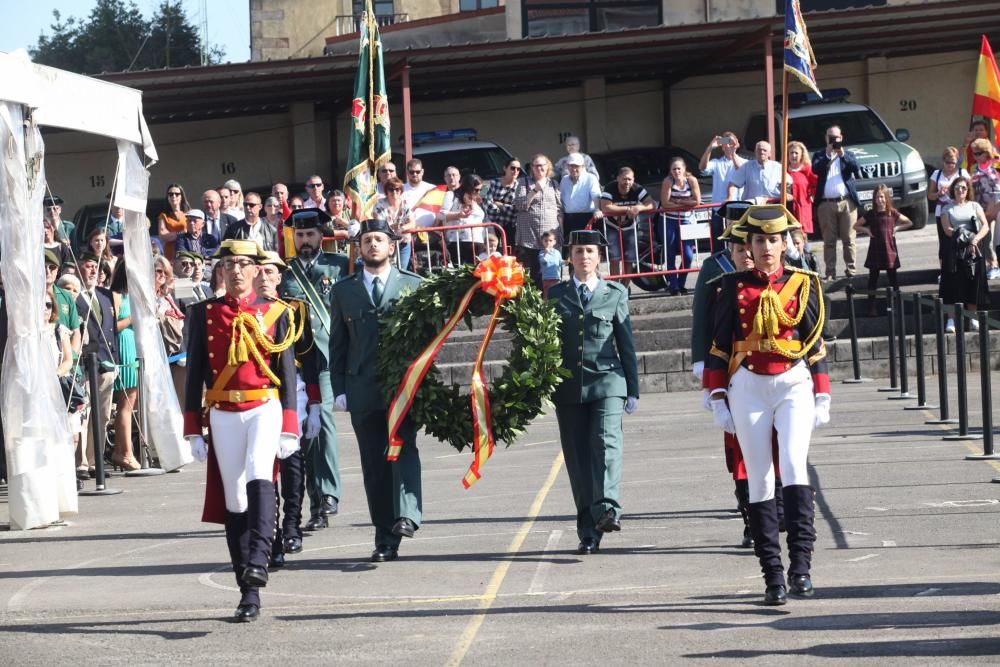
(501, 277)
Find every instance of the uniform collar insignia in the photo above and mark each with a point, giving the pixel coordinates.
(770, 277)
(241, 303)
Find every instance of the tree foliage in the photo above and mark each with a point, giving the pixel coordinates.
(116, 37)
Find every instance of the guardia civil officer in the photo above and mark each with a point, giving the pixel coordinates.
(599, 352)
(768, 359)
(357, 304)
(288, 530)
(240, 349)
(310, 278)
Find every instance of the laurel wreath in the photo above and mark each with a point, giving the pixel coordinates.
(534, 367)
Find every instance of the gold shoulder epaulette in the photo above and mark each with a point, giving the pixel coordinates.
(795, 269)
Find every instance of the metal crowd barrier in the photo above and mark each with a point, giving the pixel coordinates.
(898, 362)
(442, 245)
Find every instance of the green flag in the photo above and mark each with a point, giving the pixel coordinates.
(368, 147)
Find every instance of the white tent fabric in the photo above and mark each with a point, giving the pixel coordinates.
(36, 442)
(164, 425)
(41, 482)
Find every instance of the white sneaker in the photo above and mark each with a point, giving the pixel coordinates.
(993, 274)
(973, 325)
(950, 326)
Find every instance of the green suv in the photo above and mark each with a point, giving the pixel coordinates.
(881, 154)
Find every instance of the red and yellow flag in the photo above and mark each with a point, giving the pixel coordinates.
(986, 99)
(433, 199)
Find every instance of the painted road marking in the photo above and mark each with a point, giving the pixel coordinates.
(476, 622)
(544, 564)
(861, 558)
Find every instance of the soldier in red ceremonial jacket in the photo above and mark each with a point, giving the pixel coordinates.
(240, 349)
(768, 359)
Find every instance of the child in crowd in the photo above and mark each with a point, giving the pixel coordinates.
(492, 246)
(550, 260)
(881, 223)
(806, 260)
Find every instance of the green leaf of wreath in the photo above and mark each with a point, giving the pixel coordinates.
(533, 370)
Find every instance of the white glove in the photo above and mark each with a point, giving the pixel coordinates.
(631, 405)
(199, 448)
(723, 418)
(706, 399)
(312, 422)
(822, 410)
(341, 402)
(288, 444)
(698, 369)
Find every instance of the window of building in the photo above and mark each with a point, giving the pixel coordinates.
(473, 5)
(542, 18)
(384, 10)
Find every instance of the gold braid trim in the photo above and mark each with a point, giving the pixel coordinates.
(247, 339)
(771, 313)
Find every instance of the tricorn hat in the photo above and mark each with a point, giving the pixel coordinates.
(587, 237)
(271, 258)
(376, 225)
(308, 218)
(240, 248)
(768, 219)
(52, 200)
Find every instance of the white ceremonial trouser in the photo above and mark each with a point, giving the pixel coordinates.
(784, 402)
(245, 445)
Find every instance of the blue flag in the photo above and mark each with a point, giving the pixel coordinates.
(799, 58)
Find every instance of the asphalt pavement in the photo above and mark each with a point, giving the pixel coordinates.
(906, 562)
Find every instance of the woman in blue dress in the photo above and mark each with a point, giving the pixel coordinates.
(128, 375)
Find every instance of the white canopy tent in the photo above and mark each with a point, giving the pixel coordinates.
(37, 438)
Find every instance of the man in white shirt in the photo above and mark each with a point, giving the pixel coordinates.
(836, 201)
(581, 196)
(759, 178)
(414, 190)
(314, 188)
(573, 146)
(720, 169)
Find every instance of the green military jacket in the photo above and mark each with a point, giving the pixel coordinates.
(315, 287)
(718, 264)
(354, 337)
(597, 343)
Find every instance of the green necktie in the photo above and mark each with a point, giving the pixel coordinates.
(584, 293)
(377, 291)
(95, 307)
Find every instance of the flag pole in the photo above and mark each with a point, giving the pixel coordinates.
(784, 137)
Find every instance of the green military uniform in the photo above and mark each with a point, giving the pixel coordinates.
(713, 267)
(393, 489)
(599, 352)
(313, 284)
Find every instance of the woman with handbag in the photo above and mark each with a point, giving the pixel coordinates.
(963, 271)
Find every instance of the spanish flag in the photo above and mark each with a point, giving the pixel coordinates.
(433, 199)
(986, 99)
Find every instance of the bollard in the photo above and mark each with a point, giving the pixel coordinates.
(890, 308)
(852, 322)
(142, 453)
(96, 431)
(942, 365)
(985, 388)
(904, 382)
(918, 341)
(960, 370)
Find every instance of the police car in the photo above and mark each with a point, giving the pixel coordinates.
(458, 148)
(882, 154)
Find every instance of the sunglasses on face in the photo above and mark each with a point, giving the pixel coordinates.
(187, 263)
(173, 194)
(313, 186)
(513, 168)
(251, 204)
(415, 171)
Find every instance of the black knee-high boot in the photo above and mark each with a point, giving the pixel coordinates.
(743, 504)
(237, 539)
(292, 492)
(260, 520)
(779, 501)
(277, 539)
(767, 547)
(800, 516)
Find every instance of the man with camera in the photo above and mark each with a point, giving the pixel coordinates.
(836, 201)
(720, 169)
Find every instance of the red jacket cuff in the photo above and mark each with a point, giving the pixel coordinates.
(715, 378)
(821, 383)
(192, 423)
(312, 393)
(290, 422)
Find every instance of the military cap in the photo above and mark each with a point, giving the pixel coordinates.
(240, 248)
(51, 257)
(376, 225)
(768, 219)
(271, 258)
(308, 218)
(587, 237)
